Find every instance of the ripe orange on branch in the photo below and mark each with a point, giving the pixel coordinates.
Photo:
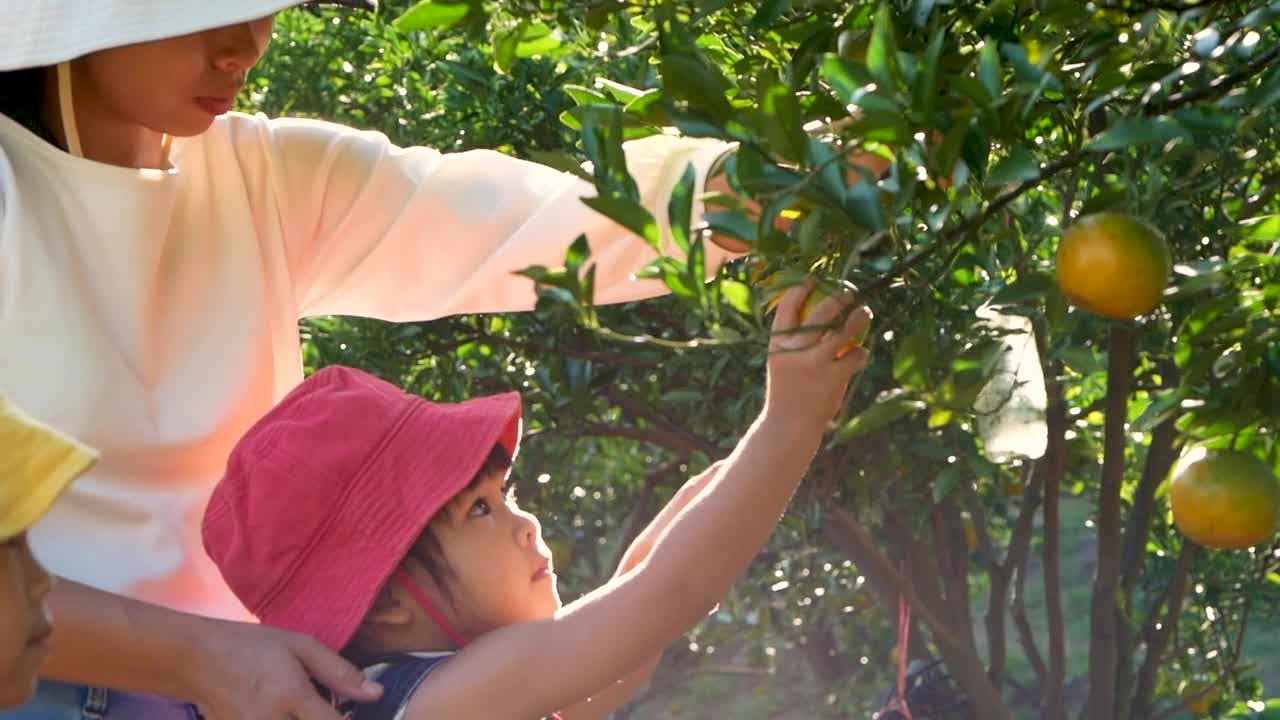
(1113, 265)
(1224, 498)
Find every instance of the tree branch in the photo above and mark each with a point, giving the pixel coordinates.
(1015, 568)
(1160, 457)
(1102, 641)
(1055, 460)
(1158, 643)
(1217, 87)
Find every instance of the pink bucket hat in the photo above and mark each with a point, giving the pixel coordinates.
(325, 495)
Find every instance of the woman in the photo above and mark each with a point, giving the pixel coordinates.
(156, 253)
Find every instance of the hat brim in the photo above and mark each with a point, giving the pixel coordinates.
(370, 5)
(57, 31)
(37, 463)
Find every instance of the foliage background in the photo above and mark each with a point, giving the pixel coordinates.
(1005, 121)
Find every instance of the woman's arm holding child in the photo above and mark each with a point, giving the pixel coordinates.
(694, 561)
(192, 658)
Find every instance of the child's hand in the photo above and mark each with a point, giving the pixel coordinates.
(809, 361)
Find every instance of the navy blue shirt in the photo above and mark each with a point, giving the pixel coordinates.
(400, 677)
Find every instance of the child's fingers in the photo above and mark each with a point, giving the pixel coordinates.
(851, 334)
(854, 360)
(788, 315)
(825, 313)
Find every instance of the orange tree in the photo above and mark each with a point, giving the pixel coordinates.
(1002, 467)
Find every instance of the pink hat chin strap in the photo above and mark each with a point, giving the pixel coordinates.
(412, 588)
(429, 607)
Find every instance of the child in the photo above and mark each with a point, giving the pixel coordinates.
(379, 523)
(36, 465)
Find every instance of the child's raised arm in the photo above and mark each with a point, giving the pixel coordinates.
(533, 669)
(612, 697)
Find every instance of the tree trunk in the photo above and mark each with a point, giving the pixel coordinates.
(1055, 459)
(1106, 582)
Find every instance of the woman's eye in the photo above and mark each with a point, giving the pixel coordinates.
(479, 508)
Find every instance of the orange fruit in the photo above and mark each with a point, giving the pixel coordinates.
(1113, 265)
(1224, 498)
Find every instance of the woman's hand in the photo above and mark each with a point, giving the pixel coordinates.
(254, 672)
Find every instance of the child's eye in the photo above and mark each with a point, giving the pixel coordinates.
(479, 508)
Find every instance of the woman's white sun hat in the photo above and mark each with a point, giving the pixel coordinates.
(48, 32)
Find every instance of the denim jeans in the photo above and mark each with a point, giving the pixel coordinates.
(63, 701)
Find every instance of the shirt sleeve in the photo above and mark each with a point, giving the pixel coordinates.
(402, 234)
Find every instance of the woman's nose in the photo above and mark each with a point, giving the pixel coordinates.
(237, 48)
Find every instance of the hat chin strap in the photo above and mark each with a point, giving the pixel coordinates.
(429, 607)
(67, 113)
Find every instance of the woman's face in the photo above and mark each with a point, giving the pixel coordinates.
(175, 86)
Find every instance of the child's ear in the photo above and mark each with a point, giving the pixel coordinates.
(390, 608)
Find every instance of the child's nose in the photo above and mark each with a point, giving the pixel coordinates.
(528, 529)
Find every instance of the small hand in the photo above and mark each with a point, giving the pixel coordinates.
(810, 362)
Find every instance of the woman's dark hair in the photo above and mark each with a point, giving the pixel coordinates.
(22, 99)
(427, 548)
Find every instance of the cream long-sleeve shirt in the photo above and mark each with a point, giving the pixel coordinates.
(154, 314)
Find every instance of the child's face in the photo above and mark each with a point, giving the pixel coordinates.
(500, 572)
(24, 622)
(174, 86)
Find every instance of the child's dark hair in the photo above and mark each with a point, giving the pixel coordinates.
(427, 547)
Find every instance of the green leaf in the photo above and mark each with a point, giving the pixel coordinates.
(1025, 71)
(737, 294)
(890, 407)
(680, 209)
(1019, 166)
(561, 161)
(946, 481)
(629, 214)
(696, 82)
(914, 358)
(925, 90)
(862, 202)
(1026, 288)
(1129, 132)
(537, 39)
(882, 51)
(849, 80)
(431, 14)
(989, 68)
(1159, 410)
(769, 12)
(733, 223)
(1105, 199)
(780, 113)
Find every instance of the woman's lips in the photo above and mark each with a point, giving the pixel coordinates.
(216, 105)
